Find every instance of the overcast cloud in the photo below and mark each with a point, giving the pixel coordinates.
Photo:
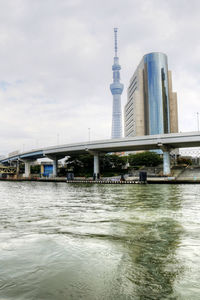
(56, 64)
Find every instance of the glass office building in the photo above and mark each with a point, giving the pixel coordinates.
(152, 106)
(156, 93)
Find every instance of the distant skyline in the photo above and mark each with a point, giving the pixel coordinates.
(56, 59)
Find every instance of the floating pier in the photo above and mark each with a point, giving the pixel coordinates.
(107, 181)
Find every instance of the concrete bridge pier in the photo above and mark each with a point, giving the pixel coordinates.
(166, 163)
(55, 167)
(17, 167)
(96, 174)
(55, 159)
(27, 163)
(166, 159)
(96, 168)
(27, 169)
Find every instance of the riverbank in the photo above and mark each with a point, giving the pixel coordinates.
(180, 175)
(155, 180)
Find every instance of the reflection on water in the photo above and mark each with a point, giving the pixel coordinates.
(62, 241)
(153, 258)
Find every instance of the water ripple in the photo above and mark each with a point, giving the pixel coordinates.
(62, 241)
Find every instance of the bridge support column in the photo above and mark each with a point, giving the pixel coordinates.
(17, 168)
(166, 163)
(96, 166)
(27, 168)
(166, 158)
(55, 159)
(27, 163)
(55, 167)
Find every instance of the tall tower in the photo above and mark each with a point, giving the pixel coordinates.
(116, 89)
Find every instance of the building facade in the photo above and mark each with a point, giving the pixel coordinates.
(116, 89)
(151, 106)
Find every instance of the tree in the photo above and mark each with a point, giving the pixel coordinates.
(82, 165)
(184, 161)
(112, 162)
(148, 159)
(35, 169)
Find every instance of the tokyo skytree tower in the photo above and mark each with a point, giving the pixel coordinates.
(116, 89)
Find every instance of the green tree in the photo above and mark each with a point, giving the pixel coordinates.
(184, 161)
(112, 163)
(35, 169)
(148, 159)
(82, 165)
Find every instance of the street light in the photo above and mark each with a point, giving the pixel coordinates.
(197, 121)
(58, 138)
(89, 135)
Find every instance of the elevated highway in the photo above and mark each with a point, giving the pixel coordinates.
(165, 142)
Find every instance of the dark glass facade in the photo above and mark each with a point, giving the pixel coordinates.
(156, 95)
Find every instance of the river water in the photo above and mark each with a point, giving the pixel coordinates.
(76, 241)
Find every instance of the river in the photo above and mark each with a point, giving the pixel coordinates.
(63, 241)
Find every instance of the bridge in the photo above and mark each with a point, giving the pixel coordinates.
(165, 142)
(7, 170)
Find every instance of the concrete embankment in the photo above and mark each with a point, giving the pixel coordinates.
(155, 180)
(189, 175)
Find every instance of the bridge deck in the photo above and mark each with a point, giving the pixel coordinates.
(150, 142)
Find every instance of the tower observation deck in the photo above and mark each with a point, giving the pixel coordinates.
(116, 89)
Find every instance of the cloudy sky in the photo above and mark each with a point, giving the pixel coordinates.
(56, 64)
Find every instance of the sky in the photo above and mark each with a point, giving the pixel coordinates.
(56, 61)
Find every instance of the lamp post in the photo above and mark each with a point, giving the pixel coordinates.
(89, 135)
(58, 138)
(197, 121)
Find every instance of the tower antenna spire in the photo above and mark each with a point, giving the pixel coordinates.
(116, 89)
(115, 32)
